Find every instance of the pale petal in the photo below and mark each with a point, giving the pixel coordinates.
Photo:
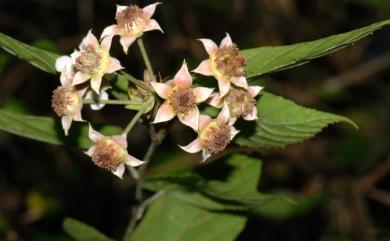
(161, 89)
(193, 147)
(66, 121)
(113, 65)
(62, 63)
(191, 118)
(120, 8)
(126, 41)
(119, 171)
(80, 78)
(109, 31)
(150, 9)
(91, 150)
(240, 82)
(233, 132)
(74, 56)
(121, 140)
(91, 95)
(152, 25)
(183, 76)
(203, 121)
(95, 136)
(95, 84)
(164, 113)
(202, 93)
(224, 87)
(226, 42)
(90, 39)
(215, 100)
(77, 115)
(209, 45)
(205, 155)
(106, 43)
(252, 115)
(254, 90)
(224, 115)
(204, 68)
(132, 161)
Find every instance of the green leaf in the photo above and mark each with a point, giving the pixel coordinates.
(281, 122)
(237, 192)
(82, 232)
(48, 129)
(170, 219)
(42, 59)
(270, 59)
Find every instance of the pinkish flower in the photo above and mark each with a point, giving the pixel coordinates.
(67, 99)
(132, 22)
(181, 99)
(241, 102)
(93, 61)
(214, 134)
(110, 153)
(225, 63)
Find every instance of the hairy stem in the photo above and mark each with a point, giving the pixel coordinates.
(112, 102)
(136, 117)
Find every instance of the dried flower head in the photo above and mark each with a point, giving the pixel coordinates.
(132, 22)
(214, 134)
(110, 153)
(241, 102)
(66, 99)
(93, 61)
(225, 63)
(181, 99)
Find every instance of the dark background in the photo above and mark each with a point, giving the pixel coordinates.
(341, 175)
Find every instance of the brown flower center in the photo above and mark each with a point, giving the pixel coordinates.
(230, 62)
(88, 61)
(182, 99)
(131, 19)
(64, 101)
(108, 154)
(215, 137)
(240, 102)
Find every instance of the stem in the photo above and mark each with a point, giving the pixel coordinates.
(145, 57)
(112, 102)
(135, 81)
(135, 119)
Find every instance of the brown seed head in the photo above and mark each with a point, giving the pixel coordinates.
(64, 101)
(215, 137)
(131, 19)
(240, 102)
(182, 99)
(88, 61)
(108, 154)
(230, 62)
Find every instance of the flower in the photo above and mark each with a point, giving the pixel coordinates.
(93, 61)
(110, 153)
(241, 102)
(225, 63)
(214, 134)
(66, 99)
(181, 99)
(132, 22)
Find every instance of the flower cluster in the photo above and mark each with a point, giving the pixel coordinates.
(83, 71)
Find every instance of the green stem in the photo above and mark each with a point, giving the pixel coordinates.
(135, 81)
(137, 116)
(112, 102)
(145, 57)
